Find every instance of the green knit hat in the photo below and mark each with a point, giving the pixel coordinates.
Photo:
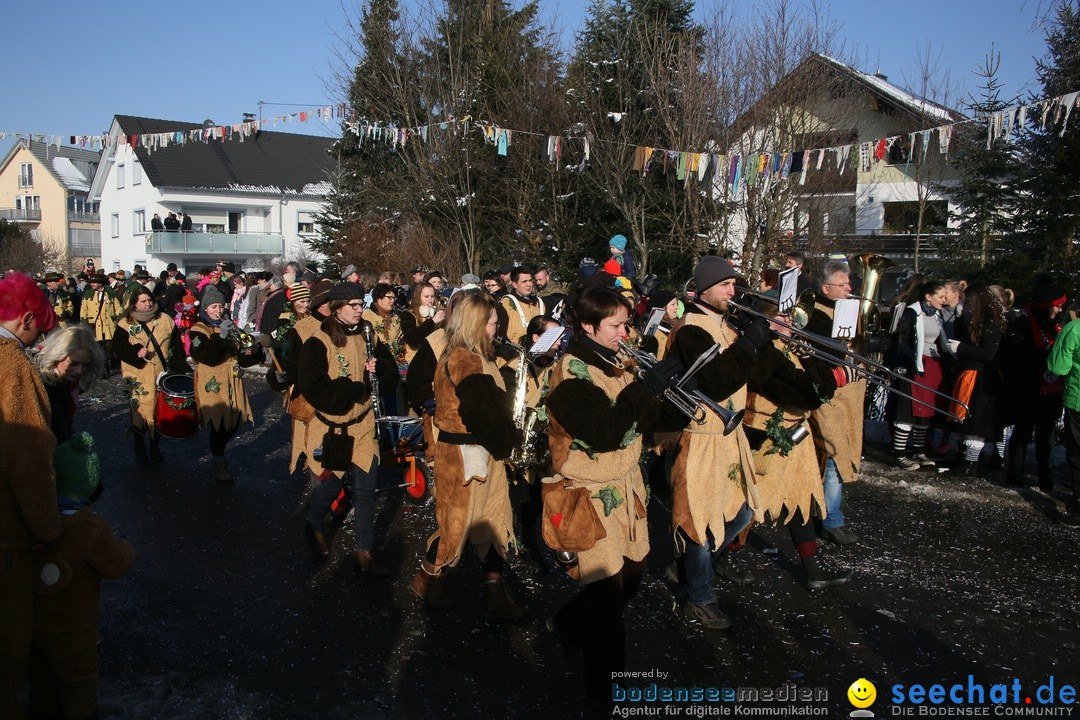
(77, 470)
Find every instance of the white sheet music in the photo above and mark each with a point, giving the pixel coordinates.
(845, 319)
(547, 340)
(789, 289)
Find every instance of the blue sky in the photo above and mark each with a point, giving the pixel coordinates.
(70, 68)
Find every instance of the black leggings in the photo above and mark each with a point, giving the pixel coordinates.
(595, 615)
(218, 439)
(493, 563)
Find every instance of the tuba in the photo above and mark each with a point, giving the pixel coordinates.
(532, 453)
(873, 270)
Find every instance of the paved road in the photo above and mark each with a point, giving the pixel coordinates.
(227, 615)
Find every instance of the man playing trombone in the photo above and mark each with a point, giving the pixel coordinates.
(713, 472)
(837, 426)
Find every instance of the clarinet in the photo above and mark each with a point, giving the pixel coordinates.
(367, 331)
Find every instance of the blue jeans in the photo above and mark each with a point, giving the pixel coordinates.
(834, 494)
(698, 559)
(363, 499)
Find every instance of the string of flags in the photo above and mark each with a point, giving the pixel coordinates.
(740, 170)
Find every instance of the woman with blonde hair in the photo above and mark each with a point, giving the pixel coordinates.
(476, 432)
(70, 361)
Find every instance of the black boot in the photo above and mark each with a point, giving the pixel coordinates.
(818, 578)
(140, 449)
(965, 469)
(155, 449)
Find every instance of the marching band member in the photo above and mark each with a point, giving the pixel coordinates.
(147, 343)
(594, 505)
(656, 343)
(387, 326)
(712, 474)
(334, 376)
(291, 335)
(476, 432)
(100, 310)
(59, 298)
(782, 392)
(219, 390)
(518, 306)
(422, 318)
(838, 425)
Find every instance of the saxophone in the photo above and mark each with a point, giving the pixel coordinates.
(532, 453)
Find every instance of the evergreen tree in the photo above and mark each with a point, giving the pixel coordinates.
(985, 192)
(636, 80)
(362, 194)
(1049, 213)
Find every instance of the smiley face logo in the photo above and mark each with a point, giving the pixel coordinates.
(862, 693)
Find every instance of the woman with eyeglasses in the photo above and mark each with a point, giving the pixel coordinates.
(387, 327)
(334, 375)
(476, 433)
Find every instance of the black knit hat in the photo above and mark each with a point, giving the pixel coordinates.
(346, 291)
(660, 299)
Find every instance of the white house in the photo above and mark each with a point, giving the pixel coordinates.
(250, 200)
(824, 116)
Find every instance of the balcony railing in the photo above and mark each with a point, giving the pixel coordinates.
(20, 214)
(202, 243)
(85, 249)
(84, 216)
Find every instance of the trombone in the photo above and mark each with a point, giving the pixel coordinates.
(694, 404)
(802, 338)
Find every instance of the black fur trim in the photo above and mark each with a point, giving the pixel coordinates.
(485, 411)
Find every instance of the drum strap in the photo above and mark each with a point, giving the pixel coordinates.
(157, 348)
(331, 424)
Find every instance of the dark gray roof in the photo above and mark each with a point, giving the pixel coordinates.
(264, 162)
(76, 173)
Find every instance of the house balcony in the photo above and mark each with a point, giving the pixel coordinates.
(84, 216)
(20, 215)
(216, 244)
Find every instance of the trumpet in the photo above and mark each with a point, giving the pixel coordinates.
(815, 344)
(694, 404)
(241, 340)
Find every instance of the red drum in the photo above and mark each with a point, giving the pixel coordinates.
(177, 416)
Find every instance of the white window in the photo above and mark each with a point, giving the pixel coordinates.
(139, 225)
(26, 175)
(120, 176)
(305, 223)
(28, 202)
(136, 173)
(116, 224)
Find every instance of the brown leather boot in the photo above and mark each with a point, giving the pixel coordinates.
(317, 541)
(365, 563)
(427, 584)
(221, 471)
(498, 605)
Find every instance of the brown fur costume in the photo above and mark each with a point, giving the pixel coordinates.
(471, 505)
(333, 380)
(294, 339)
(28, 512)
(786, 483)
(712, 474)
(219, 389)
(838, 426)
(597, 413)
(63, 669)
(141, 374)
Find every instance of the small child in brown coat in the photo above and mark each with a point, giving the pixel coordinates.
(63, 666)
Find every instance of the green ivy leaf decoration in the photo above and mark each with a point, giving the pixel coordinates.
(212, 386)
(196, 340)
(134, 330)
(343, 366)
(734, 472)
(611, 497)
(780, 435)
(584, 447)
(631, 435)
(580, 370)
